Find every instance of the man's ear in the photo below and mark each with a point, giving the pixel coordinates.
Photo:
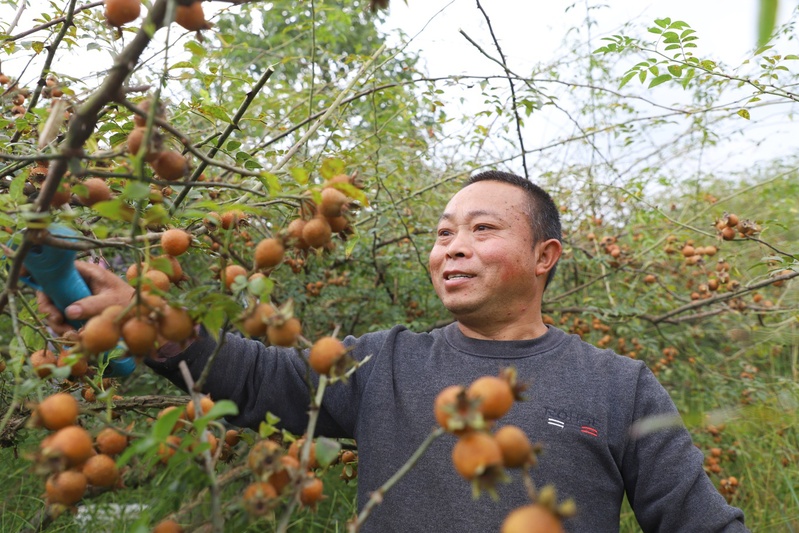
(548, 254)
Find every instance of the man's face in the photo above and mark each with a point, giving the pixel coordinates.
(483, 260)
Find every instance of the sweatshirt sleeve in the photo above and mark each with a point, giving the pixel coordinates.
(261, 379)
(663, 475)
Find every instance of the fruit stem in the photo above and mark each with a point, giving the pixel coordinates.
(305, 453)
(217, 520)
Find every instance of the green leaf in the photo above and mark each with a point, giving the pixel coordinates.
(215, 111)
(37, 46)
(163, 426)
(271, 182)
(222, 408)
(135, 190)
(660, 79)
(791, 56)
(232, 146)
(195, 48)
(299, 175)
(766, 21)
(183, 64)
(17, 187)
(655, 30)
(675, 70)
(663, 23)
(627, 77)
(743, 113)
(327, 451)
(331, 167)
(261, 287)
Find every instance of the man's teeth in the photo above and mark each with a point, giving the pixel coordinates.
(456, 276)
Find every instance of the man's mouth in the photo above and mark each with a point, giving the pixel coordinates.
(457, 276)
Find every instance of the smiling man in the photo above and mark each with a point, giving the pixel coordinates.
(497, 244)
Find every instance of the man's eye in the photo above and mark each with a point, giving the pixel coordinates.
(481, 227)
(443, 232)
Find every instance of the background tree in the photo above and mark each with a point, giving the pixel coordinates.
(278, 98)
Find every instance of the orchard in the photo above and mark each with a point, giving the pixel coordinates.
(277, 170)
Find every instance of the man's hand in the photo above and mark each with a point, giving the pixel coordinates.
(107, 289)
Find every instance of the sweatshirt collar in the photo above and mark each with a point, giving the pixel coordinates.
(503, 349)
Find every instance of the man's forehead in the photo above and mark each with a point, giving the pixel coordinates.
(472, 213)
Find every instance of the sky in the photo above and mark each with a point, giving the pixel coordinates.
(532, 33)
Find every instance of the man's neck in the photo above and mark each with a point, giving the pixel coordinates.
(504, 332)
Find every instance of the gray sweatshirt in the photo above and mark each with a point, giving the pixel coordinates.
(580, 406)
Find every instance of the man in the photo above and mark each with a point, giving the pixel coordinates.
(497, 243)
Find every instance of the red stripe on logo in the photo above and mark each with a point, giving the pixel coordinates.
(589, 431)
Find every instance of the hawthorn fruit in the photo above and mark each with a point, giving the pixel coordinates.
(175, 242)
(231, 272)
(533, 518)
(206, 404)
(111, 442)
(39, 359)
(101, 471)
(259, 498)
(515, 446)
(325, 353)
(58, 411)
(72, 443)
(121, 12)
(97, 190)
(100, 334)
(170, 165)
(284, 333)
(475, 453)
(495, 394)
(192, 17)
(269, 253)
(66, 487)
(175, 324)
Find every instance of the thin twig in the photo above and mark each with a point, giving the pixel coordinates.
(377, 496)
(217, 520)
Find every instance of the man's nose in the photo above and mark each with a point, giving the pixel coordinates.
(459, 245)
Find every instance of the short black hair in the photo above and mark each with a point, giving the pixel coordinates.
(541, 209)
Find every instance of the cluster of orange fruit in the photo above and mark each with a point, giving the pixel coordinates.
(68, 455)
(87, 191)
(481, 457)
(184, 428)
(169, 165)
(730, 226)
(278, 473)
(314, 229)
(149, 317)
(121, 12)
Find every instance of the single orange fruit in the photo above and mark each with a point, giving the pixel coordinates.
(495, 394)
(474, 453)
(516, 448)
(325, 353)
(120, 12)
(175, 242)
(269, 253)
(532, 519)
(58, 411)
(66, 487)
(111, 442)
(101, 471)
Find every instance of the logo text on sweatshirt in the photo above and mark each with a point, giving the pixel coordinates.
(563, 418)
